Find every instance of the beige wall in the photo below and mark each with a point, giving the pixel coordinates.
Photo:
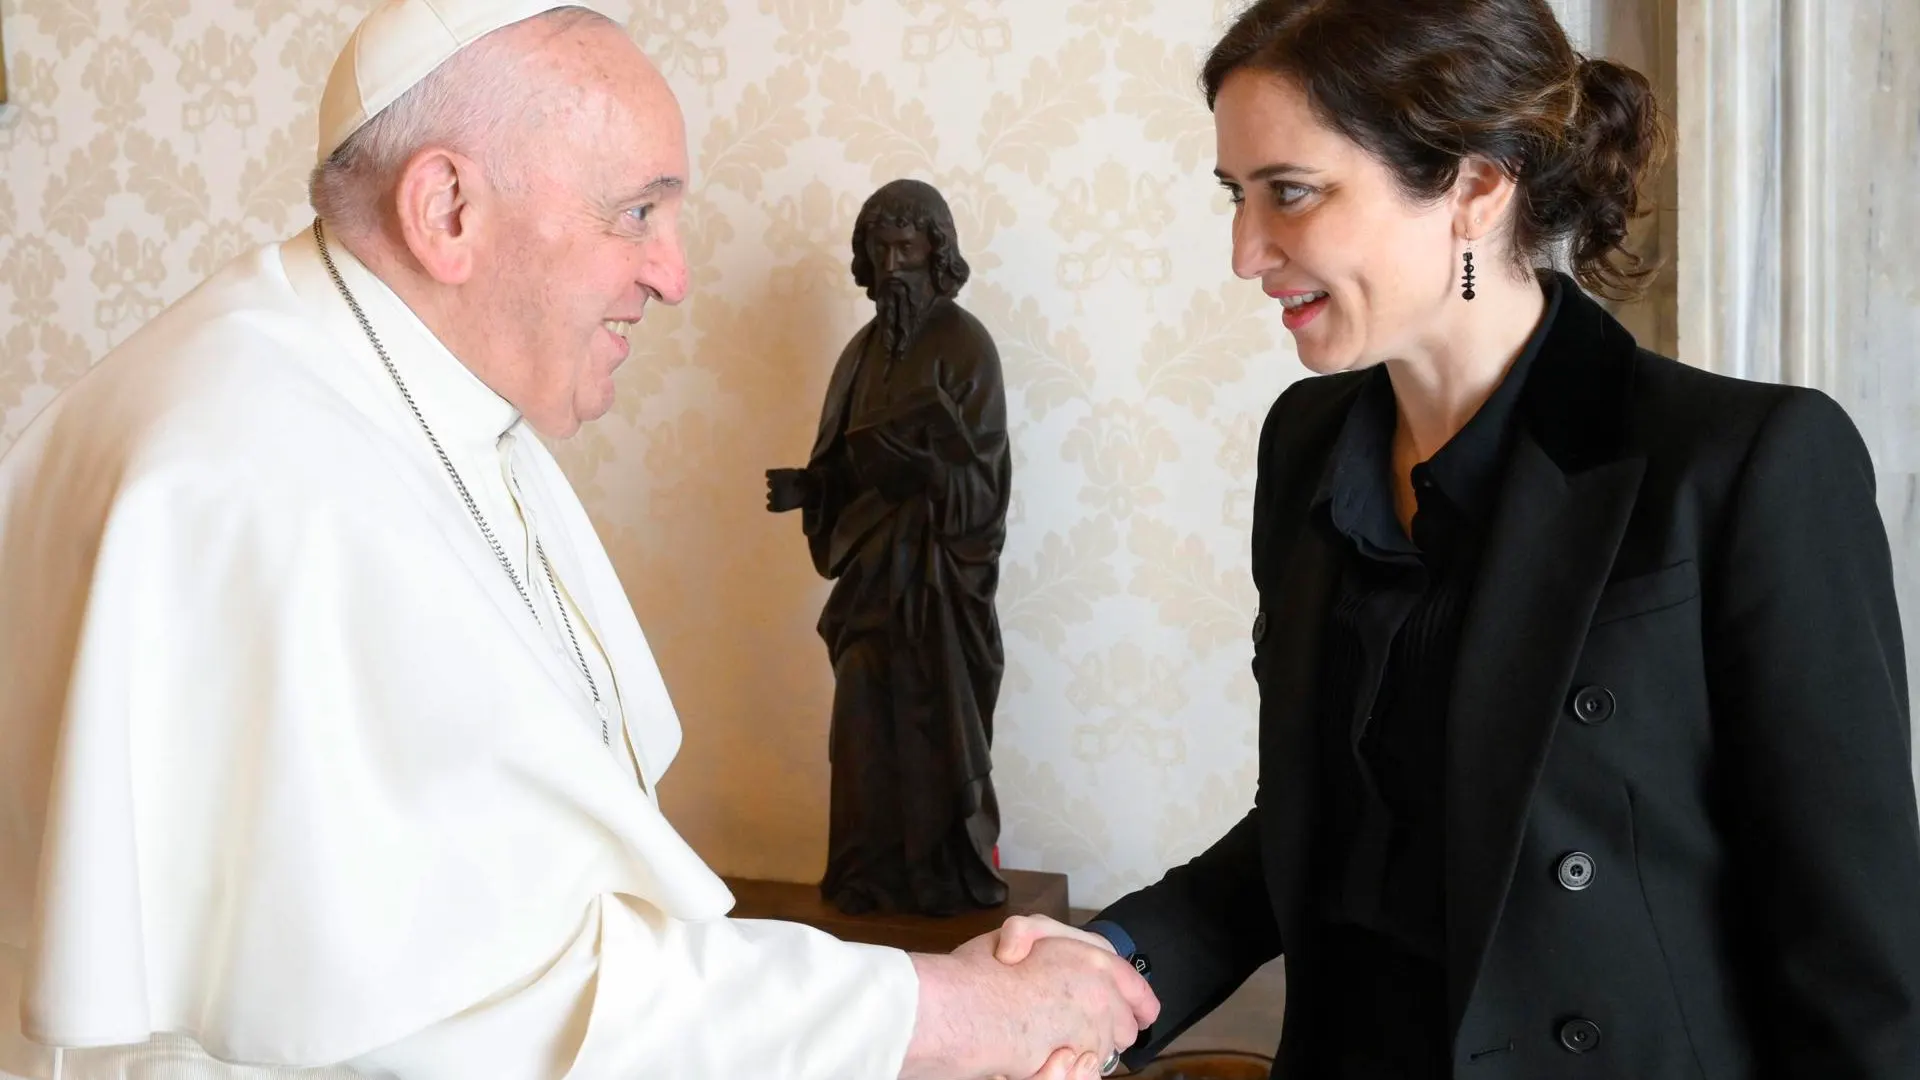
(152, 139)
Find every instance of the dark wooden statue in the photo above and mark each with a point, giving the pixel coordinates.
(904, 503)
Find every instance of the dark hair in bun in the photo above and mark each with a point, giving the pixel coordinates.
(1423, 85)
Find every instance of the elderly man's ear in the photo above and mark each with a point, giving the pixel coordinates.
(439, 202)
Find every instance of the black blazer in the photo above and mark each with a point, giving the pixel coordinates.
(1682, 658)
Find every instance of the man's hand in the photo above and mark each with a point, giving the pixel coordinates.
(981, 1018)
(1016, 939)
(1010, 944)
(788, 489)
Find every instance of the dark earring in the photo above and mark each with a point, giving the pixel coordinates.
(1466, 282)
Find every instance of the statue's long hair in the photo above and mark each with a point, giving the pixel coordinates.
(916, 205)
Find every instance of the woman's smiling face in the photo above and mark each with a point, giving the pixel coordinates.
(1363, 273)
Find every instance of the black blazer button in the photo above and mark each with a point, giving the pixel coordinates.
(1579, 1036)
(1575, 871)
(1259, 627)
(1593, 705)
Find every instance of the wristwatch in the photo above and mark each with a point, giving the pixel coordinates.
(1122, 943)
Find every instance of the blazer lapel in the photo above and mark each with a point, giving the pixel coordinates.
(1294, 627)
(1295, 567)
(1564, 505)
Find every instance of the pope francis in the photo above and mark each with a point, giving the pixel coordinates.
(328, 739)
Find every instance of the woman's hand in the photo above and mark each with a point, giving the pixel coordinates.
(1016, 937)
(1063, 1065)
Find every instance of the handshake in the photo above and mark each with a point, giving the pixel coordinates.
(1033, 1000)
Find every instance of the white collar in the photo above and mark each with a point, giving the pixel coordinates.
(461, 410)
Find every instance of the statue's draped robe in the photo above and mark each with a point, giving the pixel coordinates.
(912, 539)
(289, 775)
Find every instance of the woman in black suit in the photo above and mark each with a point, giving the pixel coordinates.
(1584, 723)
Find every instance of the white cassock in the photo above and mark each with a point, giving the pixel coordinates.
(290, 775)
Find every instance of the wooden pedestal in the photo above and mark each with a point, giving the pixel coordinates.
(1029, 892)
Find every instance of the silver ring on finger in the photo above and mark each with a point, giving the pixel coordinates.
(1112, 1063)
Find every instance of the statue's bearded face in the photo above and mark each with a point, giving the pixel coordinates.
(902, 280)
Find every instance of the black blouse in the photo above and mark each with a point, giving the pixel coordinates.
(1392, 640)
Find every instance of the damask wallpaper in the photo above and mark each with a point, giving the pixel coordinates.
(152, 140)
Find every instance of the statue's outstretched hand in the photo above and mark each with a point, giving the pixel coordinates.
(788, 489)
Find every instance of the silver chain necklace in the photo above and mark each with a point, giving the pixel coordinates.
(559, 602)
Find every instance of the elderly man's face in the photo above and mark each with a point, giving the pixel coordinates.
(591, 237)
